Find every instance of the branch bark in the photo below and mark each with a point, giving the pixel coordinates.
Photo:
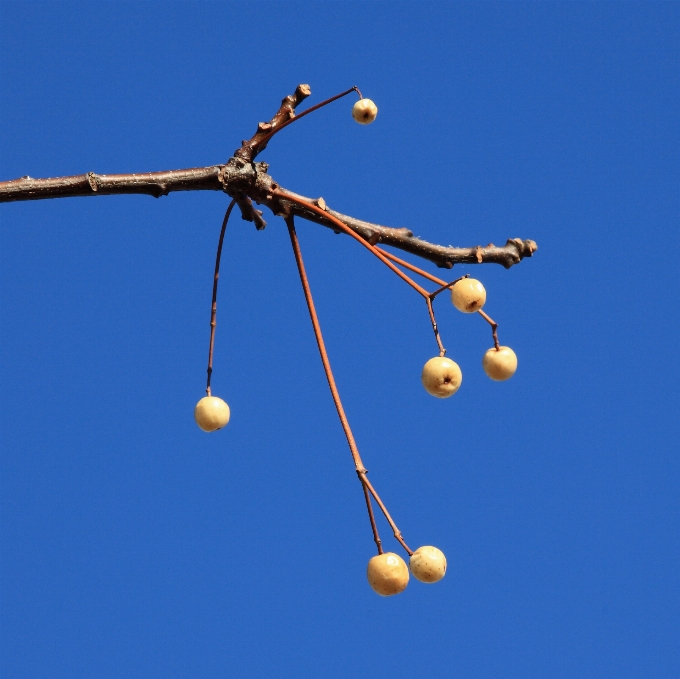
(246, 181)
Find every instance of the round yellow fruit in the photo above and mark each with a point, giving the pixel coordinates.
(428, 564)
(211, 413)
(468, 295)
(364, 111)
(500, 364)
(441, 377)
(387, 574)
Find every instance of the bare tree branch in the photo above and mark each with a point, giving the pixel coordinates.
(247, 181)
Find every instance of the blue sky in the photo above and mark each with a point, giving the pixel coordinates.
(135, 545)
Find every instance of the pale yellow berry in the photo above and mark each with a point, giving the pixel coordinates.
(428, 564)
(500, 364)
(468, 295)
(364, 111)
(441, 377)
(387, 574)
(211, 413)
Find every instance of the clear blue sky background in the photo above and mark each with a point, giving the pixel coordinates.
(134, 545)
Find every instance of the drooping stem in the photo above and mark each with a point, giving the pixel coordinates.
(358, 464)
(213, 313)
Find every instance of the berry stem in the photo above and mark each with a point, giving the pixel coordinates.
(358, 464)
(494, 328)
(374, 527)
(442, 351)
(213, 313)
(397, 533)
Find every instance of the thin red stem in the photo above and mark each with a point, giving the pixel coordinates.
(213, 314)
(412, 267)
(322, 347)
(371, 248)
(444, 285)
(442, 351)
(358, 464)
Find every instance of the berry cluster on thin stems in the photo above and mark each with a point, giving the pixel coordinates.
(386, 258)
(444, 286)
(389, 260)
(361, 471)
(213, 313)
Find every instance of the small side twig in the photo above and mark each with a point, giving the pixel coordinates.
(278, 128)
(258, 142)
(249, 213)
(447, 286)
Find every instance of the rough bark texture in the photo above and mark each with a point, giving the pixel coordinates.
(247, 181)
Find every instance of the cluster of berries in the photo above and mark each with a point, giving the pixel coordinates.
(441, 376)
(387, 572)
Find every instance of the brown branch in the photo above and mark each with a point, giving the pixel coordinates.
(256, 184)
(343, 227)
(294, 118)
(248, 181)
(155, 184)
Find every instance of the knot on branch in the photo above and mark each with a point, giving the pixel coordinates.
(249, 213)
(524, 248)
